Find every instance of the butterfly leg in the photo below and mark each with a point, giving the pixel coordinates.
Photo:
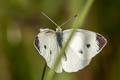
(65, 57)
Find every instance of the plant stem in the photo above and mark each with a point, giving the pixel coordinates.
(44, 70)
(76, 24)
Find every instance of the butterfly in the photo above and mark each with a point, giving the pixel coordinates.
(83, 47)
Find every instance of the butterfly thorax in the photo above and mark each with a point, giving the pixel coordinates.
(59, 35)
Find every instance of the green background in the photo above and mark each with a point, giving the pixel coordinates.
(20, 21)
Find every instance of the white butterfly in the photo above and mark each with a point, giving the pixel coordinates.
(82, 48)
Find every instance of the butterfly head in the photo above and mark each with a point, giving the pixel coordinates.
(58, 29)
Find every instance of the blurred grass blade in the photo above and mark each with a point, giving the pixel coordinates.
(80, 19)
(77, 23)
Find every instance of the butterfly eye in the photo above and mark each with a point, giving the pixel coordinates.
(45, 46)
(88, 45)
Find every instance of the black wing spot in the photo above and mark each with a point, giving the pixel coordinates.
(45, 47)
(37, 43)
(50, 52)
(81, 51)
(88, 45)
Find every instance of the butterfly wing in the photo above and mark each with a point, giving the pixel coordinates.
(47, 46)
(82, 48)
(73, 62)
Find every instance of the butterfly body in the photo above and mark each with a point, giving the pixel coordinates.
(82, 48)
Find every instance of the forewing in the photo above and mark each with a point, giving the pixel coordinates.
(83, 46)
(47, 46)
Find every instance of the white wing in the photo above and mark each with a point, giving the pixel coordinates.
(73, 62)
(47, 46)
(82, 48)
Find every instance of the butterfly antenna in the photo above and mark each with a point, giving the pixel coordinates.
(68, 20)
(50, 19)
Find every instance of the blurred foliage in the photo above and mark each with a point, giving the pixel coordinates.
(20, 21)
